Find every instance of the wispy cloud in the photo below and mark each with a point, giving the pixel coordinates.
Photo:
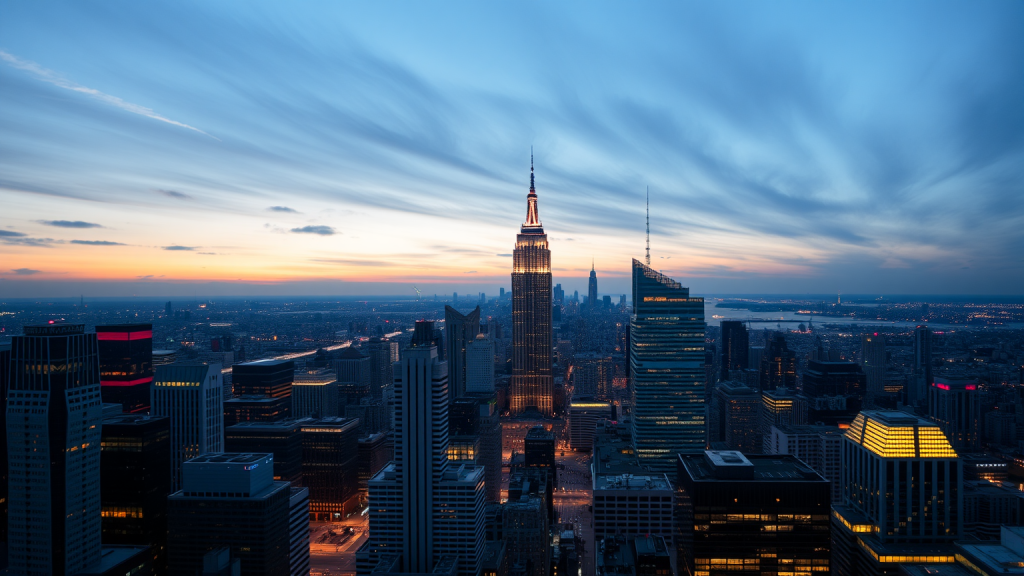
(11, 234)
(97, 243)
(179, 248)
(24, 241)
(321, 230)
(174, 194)
(69, 224)
(53, 78)
(283, 209)
(25, 271)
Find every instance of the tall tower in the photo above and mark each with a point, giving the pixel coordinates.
(193, 398)
(666, 356)
(531, 313)
(422, 507)
(459, 330)
(592, 287)
(54, 416)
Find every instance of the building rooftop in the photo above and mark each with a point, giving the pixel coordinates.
(129, 419)
(54, 330)
(229, 458)
(267, 362)
(892, 434)
(631, 482)
(277, 425)
(1003, 557)
(729, 465)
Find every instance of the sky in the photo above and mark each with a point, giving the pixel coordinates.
(268, 148)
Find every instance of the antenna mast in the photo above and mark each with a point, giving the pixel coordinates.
(648, 257)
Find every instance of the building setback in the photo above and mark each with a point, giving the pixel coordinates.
(54, 416)
(766, 515)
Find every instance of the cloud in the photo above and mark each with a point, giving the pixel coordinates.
(321, 230)
(35, 242)
(352, 262)
(283, 209)
(11, 234)
(146, 277)
(504, 255)
(69, 224)
(177, 248)
(207, 253)
(174, 194)
(97, 243)
(55, 79)
(25, 271)
(470, 272)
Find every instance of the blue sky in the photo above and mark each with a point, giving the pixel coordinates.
(267, 148)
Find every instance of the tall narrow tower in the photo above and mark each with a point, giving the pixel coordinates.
(531, 313)
(592, 288)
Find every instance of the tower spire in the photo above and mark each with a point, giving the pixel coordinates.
(647, 259)
(592, 264)
(532, 213)
(532, 188)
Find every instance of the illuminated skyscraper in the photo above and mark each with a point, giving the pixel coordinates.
(873, 361)
(592, 300)
(193, 398)
(531, 385)
(54, 415)
(666, 355)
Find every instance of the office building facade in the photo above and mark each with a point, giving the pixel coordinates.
(765, 515)
(330, 449)
(135, 465)
(872, 359)
(735, 418)
(532, 382)
(480, 365)
(126, 365)
(192, 397)
(283, 439)
(735, 345)
(54, 416)
(459, 330)
(666, 355)
(955, 405)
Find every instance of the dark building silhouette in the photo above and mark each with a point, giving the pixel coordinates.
(539, 451)
(126, 365)
(728, 501)
(778, 365)
(735, 417)
(955, 405)
(532, 383)
(263, 391)
(5, 369)
(283, 439)
(135, 465)
(592, 300)
(459, 330)
(54, 415)
(735, 347)
(231, 500)
(833, 391)
(252, 408)
(330, 448)
(352, 368)
(382, 356)
(922, 377)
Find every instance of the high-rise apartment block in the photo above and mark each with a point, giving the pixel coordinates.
(735, 346)
(126, 365)
(135, 481)
(751, 515)
(955, 405)
(54, 416)
(459, 330)
(192, 397)
(902, 501)
(421, 507)
(532, 382)
(231, 500)
(666, 356)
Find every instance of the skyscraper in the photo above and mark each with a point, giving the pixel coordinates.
(126, 365)
(735, 345)
(54, 415)
(459, 330)
(330, 449)
(592, 300)
(480, 365)
(902, 501)
(531, 385)
(193, 398)
(263, 391)
(136, 480)
(734, 416)
(872, 359)
(666, 355)
(955, 405)
(778, 365)
(921, 379)
(421, 507)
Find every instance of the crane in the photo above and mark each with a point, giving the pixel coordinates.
(418, 294)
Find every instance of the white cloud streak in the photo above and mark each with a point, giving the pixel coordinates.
(53, 78)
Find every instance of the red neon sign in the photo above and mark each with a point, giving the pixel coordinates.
(941, 386)
(971, 387)
(124, 336)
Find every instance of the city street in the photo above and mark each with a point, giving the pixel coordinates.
(336, 555)
(573, 499)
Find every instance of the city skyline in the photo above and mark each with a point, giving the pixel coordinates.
(334, 151)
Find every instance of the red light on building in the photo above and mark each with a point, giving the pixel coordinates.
(941, 386)
(125, 336)
(971, 387)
